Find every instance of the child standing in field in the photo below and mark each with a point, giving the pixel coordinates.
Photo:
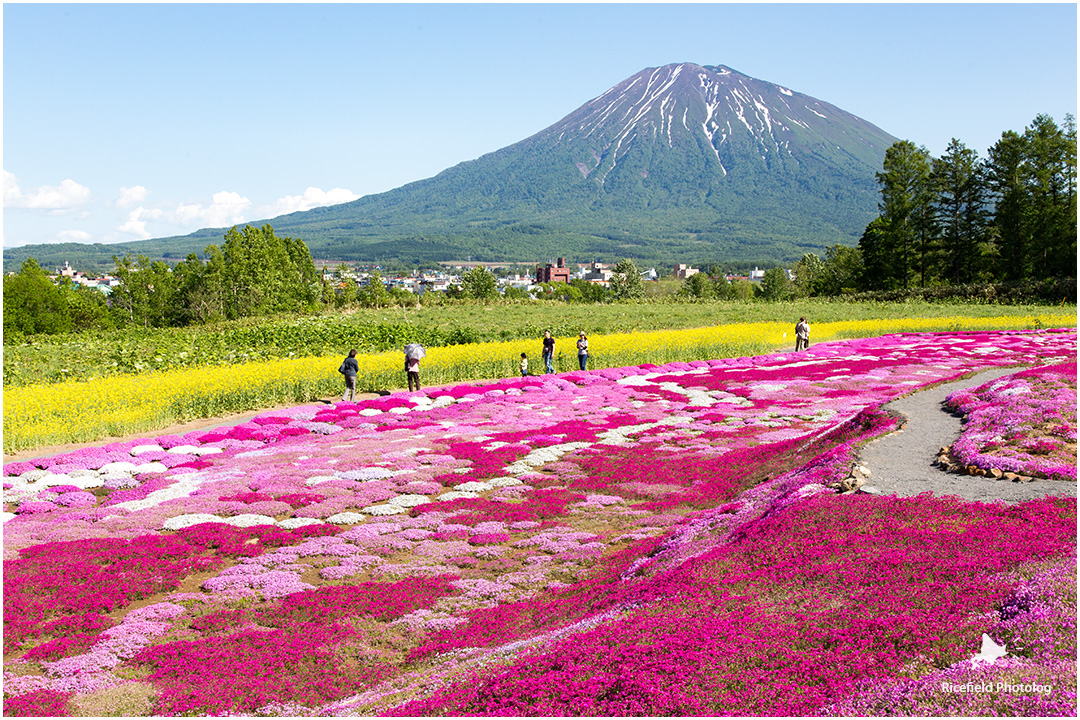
(350, 369)
(524, 365)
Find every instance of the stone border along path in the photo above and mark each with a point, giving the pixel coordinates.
(902, 462)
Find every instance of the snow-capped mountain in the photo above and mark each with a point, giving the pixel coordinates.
(744, 122)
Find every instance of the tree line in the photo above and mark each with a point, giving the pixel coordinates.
(254, 273)
(961, 219)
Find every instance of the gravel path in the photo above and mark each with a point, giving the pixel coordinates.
(902, 462)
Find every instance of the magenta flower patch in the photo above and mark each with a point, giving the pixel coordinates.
(629, 541)
(1023, 423)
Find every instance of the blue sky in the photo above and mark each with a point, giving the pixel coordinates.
(130, 121)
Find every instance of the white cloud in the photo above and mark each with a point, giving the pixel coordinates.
(65, 196)
(226, 208)
(313, 197)
(75, 236)
(131, 196)
(136, 222)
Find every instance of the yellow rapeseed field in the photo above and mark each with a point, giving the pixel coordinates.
(36, 415)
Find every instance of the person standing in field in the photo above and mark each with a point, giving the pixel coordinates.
(412, 371)
(524, 365)
(350, 369)
(582, 350)
(802, 334)
(549, 351)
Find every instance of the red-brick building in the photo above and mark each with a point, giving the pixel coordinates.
(553, 273)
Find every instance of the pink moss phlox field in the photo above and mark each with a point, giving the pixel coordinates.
(1024, 423)
(643, 540)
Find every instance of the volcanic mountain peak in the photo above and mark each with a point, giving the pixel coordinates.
(684, 102)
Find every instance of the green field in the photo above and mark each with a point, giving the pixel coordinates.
(53, 359)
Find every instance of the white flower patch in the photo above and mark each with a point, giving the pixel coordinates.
(248, 520)
(108, 477)
(151, 467)
(771, 387)
(299, 522)
(456, 495)
(30, 476)
(86, 482)
(19, 492)
(183, 486)
(726, 397)
(383, 510)
(495, 445)
(184, 521)
(542, 456)
(140, 449)
(317, 479)
(620, 436)
(502, 482)
(401, 410)
(647, 378)
(370, 473)
(117, 467)
(262, 452)
(442, 401)
(4, 517)
(183, 450)
(347, 518)
(370, 412)
(407, 501)
(474, 486)
(207, 451)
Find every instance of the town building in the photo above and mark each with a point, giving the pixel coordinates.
(683, 272)
(553, 273)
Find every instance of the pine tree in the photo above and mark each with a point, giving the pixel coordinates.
(906, 206)
(960, 204)
(1005, 179)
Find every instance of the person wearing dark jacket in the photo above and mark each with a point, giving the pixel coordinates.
(549, 352)
(350, 369)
